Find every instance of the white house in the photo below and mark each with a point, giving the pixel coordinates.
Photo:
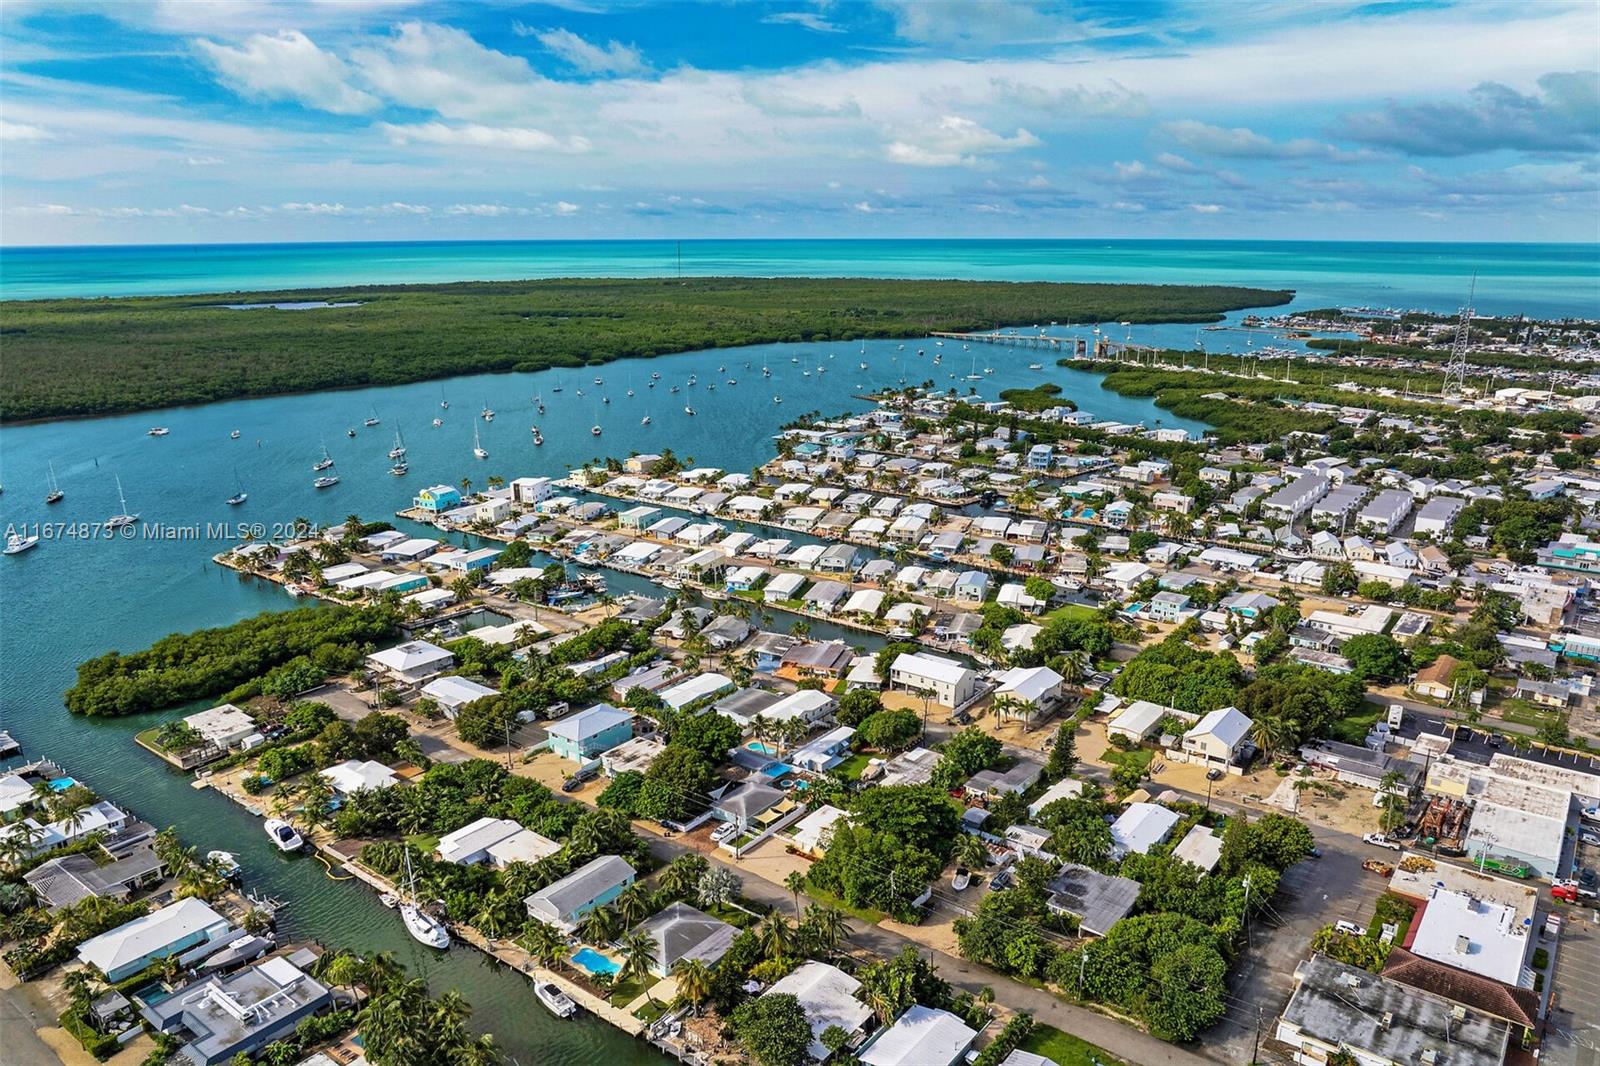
(946, 680)
(1039, 686)
(470, 844)
(353, 775)
(828, 996)
(453, 693)
(1141, 827)
(922, 1036)
(410, 663)
(1216, 739)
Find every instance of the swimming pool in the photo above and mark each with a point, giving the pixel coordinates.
(777, 769)
(760, 748)
(61, 784)
(594, 962)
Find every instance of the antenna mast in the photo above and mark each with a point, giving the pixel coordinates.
(1455, 372)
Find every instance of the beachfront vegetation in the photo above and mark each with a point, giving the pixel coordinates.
(211, 662)
(77, 357)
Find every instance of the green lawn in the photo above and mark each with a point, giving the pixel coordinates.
(822, 895)
(1071, 610)
(851, 769)
(625, 992)
(1524, 712)
(1141, 757)
(1066, 1049)
(1354, 730)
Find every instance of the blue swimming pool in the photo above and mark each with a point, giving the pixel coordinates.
(61, 784)
(764, 749)
(777, 769)
(596, 963)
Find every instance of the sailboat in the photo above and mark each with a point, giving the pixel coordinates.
(238, 497)
(488, 413)
(374, 420)
(55, 495)
(399, 449)
(326, 460)
(477, 445)
(443, 403)
(538, 402)
(688, 410)
(123, 517)
(645, 421)
(400, 469)
(424, 928)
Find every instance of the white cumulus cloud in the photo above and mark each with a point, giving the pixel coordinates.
(515, 138)
(614, 57)
(286, 66)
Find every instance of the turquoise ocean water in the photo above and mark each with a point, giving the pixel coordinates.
(1536, 279)
(70, 599)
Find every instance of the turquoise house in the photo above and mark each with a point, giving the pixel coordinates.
(589, 733)
(564, 903)
(437, 499)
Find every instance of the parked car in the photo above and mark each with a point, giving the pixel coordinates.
(1214, 774)
(725, 831)
(1591, 839)
(1379, 840)
(1002, 880)
(1349, 928)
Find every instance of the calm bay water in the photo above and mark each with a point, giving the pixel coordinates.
(1535, 279)
(70, 600)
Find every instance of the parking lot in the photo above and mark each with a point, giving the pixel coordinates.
(1572, 1035)
(1314, 893)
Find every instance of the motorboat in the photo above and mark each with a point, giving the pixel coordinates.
(326, 481)
(655, 375)
(961, 880)
(55, 495)
(733, 381)
(555, 388)
(630, 392)
(225, 864)
(487, 413)
(673, 389)
(125, 517)
(16, 544)
(594, 430)
(645, 421)
(234, 435)
(158, 431)
(437, 422)
(538, 438)
(598, 381)
(863, 366)
(777, 399)
(1035, 366)
(284, 836)
(350, 432)
(400, 469)
(606, 400)
(688, 410)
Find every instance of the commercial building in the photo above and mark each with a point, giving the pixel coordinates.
(1474, 934)
(1339, 1008)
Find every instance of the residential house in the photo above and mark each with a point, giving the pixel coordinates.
(590, 732)
(922, 1036)
(359, 775)
(1098, 901)
(828, 996)
(594, 884)
(947, 681)
(131, 947)
(683, 932)
(453, 692)
(411, 663)
(1141, 827)
(222, 1018)
(1218, 738)
(1434, 680)
(469, 845)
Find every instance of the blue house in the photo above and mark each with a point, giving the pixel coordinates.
(436, 499)
(594, 884)
(172, 930)
(589, 733)
(1040, 457)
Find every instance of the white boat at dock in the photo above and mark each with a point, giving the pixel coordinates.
(424, 928)
(555, 1001)
(284, 836)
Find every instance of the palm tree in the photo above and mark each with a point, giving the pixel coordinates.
(316, 800)
(280, 1053)
(681, 874)
(490, 917)
(1010, 706)
(544, 942)
(1074, 667)
(796, 883)
(1271, 734)
(694, 981)
(828, 925)
(777, 935)
(638, 955)
(970, 852)
(447, 1023)
(633, 904)
(599, 926)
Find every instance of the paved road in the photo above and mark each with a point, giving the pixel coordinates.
(1131, 1044)
(19, 1023)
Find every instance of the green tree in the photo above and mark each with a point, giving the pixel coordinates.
(774, 1029)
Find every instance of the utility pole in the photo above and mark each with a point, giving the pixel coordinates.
(1255, 1048)
(1246, 884)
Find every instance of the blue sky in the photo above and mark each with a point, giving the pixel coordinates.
(204, 121)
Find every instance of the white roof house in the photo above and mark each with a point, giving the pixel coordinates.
(1218, 736)
(1199, 846)
(922, 1036)
(828, 996)
(471, 843)
(354, 775)
(1066, 788)
(125, 950)
(223, 726)
(809, 704)
(1141, 827)
(947, 680)
(695, 688)
(564, 903)
(1031, 684)
(1138, 719)
(522, 846)
(411, 662)
(813, 833)
(454, 692)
